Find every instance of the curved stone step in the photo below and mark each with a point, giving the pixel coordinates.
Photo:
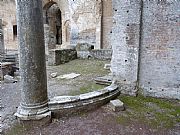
(68, 105)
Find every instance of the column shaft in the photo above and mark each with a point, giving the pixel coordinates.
(34, 100)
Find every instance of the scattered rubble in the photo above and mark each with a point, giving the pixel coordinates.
(54, 75)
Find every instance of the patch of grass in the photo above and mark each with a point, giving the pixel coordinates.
(87, 88)
(82, 67)
(157, 113)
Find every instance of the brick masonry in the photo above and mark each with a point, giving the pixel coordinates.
(146, 47)
(125, 41)
(160, 49)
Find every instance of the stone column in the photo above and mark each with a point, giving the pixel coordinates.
(1, 40)
(34, 99)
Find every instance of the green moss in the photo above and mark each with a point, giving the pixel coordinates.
(157, 113)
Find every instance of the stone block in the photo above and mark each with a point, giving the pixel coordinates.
(107, 66)
(117, 105)
(54, 75)
(83, 47)
(9, 79)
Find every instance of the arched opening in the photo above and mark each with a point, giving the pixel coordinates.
(53, 19)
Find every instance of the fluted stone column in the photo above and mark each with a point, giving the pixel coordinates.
(1, 40)
(34, 99)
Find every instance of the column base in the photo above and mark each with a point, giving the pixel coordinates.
(33, 113)
(34, 121)
(33, 117)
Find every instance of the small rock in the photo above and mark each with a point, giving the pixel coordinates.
(9, 79)
(117, 105)
(107, 66)
(53, 75)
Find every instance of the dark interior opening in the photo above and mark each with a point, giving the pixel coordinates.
(15, 31)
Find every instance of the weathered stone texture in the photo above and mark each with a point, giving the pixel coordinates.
(1, 41)
(107, 18)
(125, 41)
(34, 100)
(160, 49)
(83, 21)
(60, 56)
(85, 51)
(8, 15)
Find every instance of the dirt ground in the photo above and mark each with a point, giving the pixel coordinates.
(143, 116)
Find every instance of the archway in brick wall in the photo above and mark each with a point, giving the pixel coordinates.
(53, 20)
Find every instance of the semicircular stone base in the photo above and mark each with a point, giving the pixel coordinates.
(67, 105)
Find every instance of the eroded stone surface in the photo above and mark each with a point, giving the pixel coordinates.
(63, 99)
(117, 105)
(34, 100)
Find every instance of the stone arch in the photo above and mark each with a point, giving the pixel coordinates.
(67, 30)
(65, 11)
(48, 3)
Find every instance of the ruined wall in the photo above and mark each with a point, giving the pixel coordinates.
(106, 23)
(8, 15)
(83, 21)
(145, 39)
(1, 41)
(125, 41)
(160, 49)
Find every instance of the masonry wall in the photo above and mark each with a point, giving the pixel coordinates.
(106, 24)
(83, 21)
(8, 15)
(145, 41)
(125, 41)
(1, 40)
(160, 49)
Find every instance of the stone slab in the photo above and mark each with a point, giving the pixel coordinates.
(63, 99)
(90, 95)
(68, 76)
(106, 80)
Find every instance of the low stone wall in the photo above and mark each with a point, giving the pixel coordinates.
(60, 56)
(68, 105)
(101, 54)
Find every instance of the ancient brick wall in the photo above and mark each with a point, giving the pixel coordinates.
(160, 49)
(125, 43)
(83, 21)
(8, 15)
(145, 39)
(106, 23)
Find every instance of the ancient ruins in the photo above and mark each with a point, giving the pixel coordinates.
(139, 38)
